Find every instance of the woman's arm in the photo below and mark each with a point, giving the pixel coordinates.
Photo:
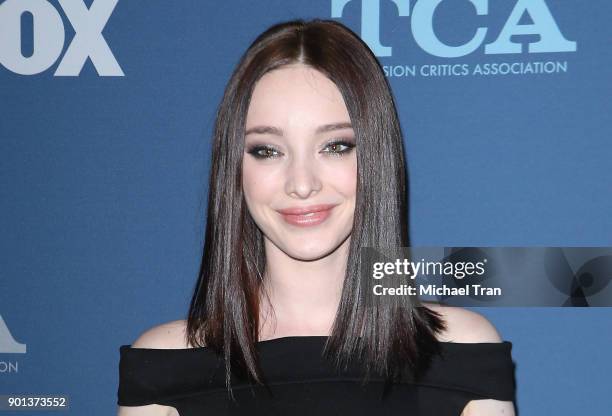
(165, 336)
(467, 326)
(148, 410)
(488, 407)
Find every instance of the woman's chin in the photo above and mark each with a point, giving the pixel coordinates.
(314, 250)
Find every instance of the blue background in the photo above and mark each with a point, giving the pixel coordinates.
(103, 183)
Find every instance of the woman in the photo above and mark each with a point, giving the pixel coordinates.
(307, 167)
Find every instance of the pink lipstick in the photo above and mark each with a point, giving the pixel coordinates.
(307, 216)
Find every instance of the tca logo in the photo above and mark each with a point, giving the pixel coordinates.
(551, 39)
(7, 342)
(49, 37)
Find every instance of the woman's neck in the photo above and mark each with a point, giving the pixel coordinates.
(304, 295)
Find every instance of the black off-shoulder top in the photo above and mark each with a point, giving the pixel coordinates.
(302, 382)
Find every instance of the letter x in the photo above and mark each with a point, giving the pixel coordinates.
(88, 40)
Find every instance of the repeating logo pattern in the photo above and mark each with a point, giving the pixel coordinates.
(49, 37)
(549, 39)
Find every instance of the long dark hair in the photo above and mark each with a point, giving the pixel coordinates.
(224, 310)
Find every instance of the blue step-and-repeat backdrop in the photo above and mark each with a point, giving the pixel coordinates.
(106, 114)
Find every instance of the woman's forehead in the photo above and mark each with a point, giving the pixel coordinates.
(296, 94)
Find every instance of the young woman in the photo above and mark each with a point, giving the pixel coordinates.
(307, 167)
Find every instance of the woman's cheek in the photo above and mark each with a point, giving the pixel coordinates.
(344, 179)
(260, 186)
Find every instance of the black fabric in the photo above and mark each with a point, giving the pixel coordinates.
(302, 382)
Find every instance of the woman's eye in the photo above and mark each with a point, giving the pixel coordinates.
(336, 148)
(263, 152)
(339, 148)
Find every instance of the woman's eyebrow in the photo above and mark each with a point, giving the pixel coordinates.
(264, 130)
(333, 126)
(278, 132)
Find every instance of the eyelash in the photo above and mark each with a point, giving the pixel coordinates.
(254, 150)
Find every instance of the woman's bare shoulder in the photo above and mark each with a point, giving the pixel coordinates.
(169, 335)
(464, 325)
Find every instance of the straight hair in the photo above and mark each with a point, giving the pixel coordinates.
(224, 310)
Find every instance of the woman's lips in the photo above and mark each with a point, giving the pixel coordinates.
(307, 217)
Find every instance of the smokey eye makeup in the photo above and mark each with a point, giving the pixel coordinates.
(263, 151)
(335, 148)
(339, 147)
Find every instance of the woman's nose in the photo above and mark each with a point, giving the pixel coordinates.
(302, 178)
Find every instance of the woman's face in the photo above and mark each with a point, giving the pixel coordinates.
(299, 154)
